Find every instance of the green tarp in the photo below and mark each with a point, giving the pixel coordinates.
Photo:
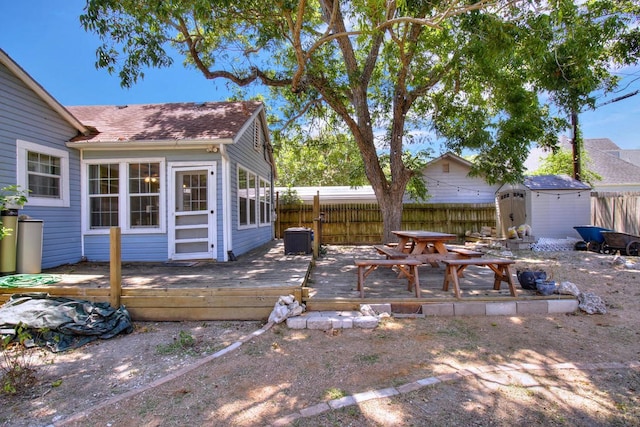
(62, 323)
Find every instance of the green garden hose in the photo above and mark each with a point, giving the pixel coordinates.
(28, 280)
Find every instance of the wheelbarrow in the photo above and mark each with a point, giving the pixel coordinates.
(592, 235)
(627, 244)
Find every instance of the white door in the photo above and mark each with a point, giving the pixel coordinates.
(192, 217)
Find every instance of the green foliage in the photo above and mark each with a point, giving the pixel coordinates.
(183, 343)
(11, 196)
(329, 158)
(20, 361)
(289, 197)
(561, 163)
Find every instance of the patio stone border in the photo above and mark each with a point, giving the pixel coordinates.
(484, 372)
(325, 320)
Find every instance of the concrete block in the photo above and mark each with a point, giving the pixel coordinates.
(365, 322)
(469, 308)
(532, 307)
(501, 308)
(438, 309)
(342, 402)
(381, 308)
(563, 305)
(375, 394)
(318, 322)
(428, 381)
(297, 322)
(314, 410)
(409, 387)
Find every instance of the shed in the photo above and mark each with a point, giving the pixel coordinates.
(551, 204)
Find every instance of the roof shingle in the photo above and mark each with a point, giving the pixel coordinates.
(161, 122)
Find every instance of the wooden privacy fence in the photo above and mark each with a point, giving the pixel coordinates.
(616, 211)
(362, 223)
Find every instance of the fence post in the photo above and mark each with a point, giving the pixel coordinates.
(316, 227)
(115, 267)
(278, 224)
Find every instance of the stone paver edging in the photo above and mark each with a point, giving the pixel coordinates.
(354, 399)
(482, 371)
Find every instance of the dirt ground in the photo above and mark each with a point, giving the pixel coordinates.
(561, 370)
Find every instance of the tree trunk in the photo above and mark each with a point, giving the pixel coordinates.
(391, 208)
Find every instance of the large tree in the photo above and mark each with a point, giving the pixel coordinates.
(465, 70)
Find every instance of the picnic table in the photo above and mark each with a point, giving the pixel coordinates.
(430, 246)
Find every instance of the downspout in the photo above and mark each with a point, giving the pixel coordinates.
(83, 203)
(227, 243)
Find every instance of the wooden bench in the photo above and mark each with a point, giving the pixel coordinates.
(391, 252)
(468, 253)
(408, 267)
(455, 267)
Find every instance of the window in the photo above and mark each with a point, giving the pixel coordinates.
(125, 194)
(44, 171)
(265, 202)
(104, 188)
(254, 199)
(246, 197)
(144, 194)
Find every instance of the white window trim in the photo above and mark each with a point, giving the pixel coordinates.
(270, 201)
(22, 175)
(257, 198)
(123, 197)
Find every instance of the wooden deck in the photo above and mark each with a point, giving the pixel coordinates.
(248, 288)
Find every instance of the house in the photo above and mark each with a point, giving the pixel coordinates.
(33, 130)
(181, 180)
(551, 204)
(618, 168)
(447, 179)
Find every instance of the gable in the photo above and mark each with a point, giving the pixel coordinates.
(22, 75)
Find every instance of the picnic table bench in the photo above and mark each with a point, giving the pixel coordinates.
(407, 267)
(468, 253)
(500, 267)
(391, 251)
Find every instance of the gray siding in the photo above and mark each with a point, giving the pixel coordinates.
(243, 154)
(24, 116)
(153, 246)
(456, 186)
(134, 248)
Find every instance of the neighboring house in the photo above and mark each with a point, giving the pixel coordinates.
(447, 179)
(33, 130)
(551, 204)
(181, 181)
(619, 169)
(332, 194)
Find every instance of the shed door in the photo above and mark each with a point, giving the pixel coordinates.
(513, 210)
(192, 222)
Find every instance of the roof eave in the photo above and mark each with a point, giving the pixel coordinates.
(148, 144)
(41, 92)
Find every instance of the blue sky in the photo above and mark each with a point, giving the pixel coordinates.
(45, 38)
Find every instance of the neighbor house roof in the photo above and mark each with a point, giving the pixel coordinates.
(173, 123)
(603, 158)
(21, 74)
(451, 156)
